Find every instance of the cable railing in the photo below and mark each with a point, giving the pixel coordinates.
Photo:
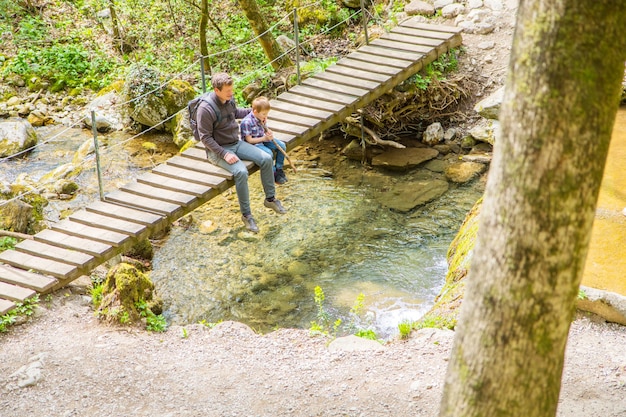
(188, 70)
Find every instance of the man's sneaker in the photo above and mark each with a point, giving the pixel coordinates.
(280, 177)
(275, 205)
(250, 223)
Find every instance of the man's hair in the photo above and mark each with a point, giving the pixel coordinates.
(221, 79)
(261, 103)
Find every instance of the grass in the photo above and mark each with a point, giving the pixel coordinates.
(24, 309)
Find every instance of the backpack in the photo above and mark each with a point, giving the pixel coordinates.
(192, 107)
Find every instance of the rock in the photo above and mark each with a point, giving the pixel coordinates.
(109, 115)
(403, 159)
(608, 305)
(16, 216)
(419, 7)
(408, 195)
(489, 107)
(439, 4)
(16, 135)
(452, 10)
(354, 343)
(433, 134)
(353, 150)
(477, 21)
(486, 131)
(462, 172)
(13, 101)
(207, 227)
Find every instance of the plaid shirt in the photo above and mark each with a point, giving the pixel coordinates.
(251, 126)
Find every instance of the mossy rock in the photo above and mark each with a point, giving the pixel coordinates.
(117, 86)
(124, 289)
(445, 311)
(142, 249)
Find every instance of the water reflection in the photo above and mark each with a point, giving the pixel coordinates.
(335, 235)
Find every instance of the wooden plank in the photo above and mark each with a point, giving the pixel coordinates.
(350, 80)
(400, 64)
(430, 27)
(309, 102)
(358, 73)
(191, 162)
(402, 46)
(422, 33)
(289, 128)
(412, 40)
(125, 213)
(55, 238)
(149, 204)
(322, 95)
(192, 176)
(162, 194)
(287, 117)
(391, 53)
(44, 250)
(173, 184)
(37, 282)
(336, 87)
(374, 68)
(6, 306)
(199, 153)
(108, 237)
(15, 293)
(106, 222)
(300, 110)
(36, 263)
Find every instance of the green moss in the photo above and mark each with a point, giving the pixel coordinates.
(445, 311)
(117, 86)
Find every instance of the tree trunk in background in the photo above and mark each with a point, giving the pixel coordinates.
(272, 50)
(117, 34)
(558, 112)
(204, 20)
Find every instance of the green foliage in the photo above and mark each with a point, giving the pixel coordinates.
(96, 295)
(66, 65)
(7, 242)
(327, 326)
(154, 323)
(582, 295)
(210, 325)
(31, 29)
(405, 329)
(446, 63)
(435, 322)
(27, 308)
(142, 81)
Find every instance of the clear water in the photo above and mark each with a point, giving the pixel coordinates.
(335, 236)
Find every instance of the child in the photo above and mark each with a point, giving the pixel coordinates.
(254, 130)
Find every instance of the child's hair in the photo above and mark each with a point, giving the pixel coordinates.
(261, 103)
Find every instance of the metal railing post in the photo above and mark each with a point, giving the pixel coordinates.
(297, 40)
(94, 131)
(367, 41)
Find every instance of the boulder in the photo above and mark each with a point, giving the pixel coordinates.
(486, 131)
(462, 172)
(419, 7)
(489, 108)
(16, 135)
(433, 134)
(403, 159)
(406, 196)
(108, 112)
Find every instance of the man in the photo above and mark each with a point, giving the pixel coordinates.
(220, 135)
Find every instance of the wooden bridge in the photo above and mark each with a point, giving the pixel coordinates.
(97, 233)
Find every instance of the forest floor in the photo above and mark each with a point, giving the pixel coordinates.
(64, 362)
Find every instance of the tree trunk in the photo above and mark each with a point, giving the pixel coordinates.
(272, 50)
(558, 112)
(204, 20)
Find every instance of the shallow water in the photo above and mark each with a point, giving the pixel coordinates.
(335, 236)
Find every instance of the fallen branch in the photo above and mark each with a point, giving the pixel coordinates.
(16, 235)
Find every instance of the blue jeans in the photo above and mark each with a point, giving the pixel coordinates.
(249, 152)
(270, 148)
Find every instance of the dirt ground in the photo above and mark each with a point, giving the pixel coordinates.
(64, 362)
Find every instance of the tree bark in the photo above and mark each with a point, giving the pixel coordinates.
(272, 50)
(562, 94)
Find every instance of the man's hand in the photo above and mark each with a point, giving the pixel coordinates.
(231, 158)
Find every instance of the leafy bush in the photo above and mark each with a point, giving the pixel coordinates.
(27, 308)
(63, 65)
(7, 242)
